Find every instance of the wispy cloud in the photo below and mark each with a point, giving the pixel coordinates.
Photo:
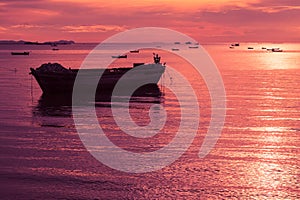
(2, 29)
(25, 26)
(93, 28)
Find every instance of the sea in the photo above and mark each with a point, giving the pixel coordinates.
(256, 156)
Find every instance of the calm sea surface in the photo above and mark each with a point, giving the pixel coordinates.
(256, 157)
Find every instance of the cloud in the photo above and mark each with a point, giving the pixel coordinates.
(2, 29)
(89, 20)
(267, 3)
(93, 28)
(251, 17)
(273, 6)
(25, 26)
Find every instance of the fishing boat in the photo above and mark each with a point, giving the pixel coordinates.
(135, 51)
(119, 56)
(250, 48)
(277, 50)
(175, 49)
(235, 44)
(193, 47)
(55, 49)
(274, 50)
(53, 78)
(176, 42)
(20, 53)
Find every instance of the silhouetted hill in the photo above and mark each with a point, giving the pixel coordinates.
(59, 42)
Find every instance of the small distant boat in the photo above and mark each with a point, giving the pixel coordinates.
(277, 50)
(193, 47)
(250, 48)
(55, 49)
(263, 48)
(175, 49)
(20, 53)
(176, 42)
(235, 44)
(188, 43)
(231, 47)
(120, 56)
(135, 51)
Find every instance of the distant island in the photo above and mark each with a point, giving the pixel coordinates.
(52, 43)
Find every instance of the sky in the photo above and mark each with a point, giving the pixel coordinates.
(204, 20)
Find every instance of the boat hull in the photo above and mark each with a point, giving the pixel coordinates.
(20, 53)
(62, 83)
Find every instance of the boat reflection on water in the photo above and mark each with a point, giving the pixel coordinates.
(60, 105)
(55, 106)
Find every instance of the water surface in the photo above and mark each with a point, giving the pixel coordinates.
(256, 157)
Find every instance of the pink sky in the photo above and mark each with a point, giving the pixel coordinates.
(95, 20)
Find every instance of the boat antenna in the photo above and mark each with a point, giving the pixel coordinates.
(156, 58)
(31, 89)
